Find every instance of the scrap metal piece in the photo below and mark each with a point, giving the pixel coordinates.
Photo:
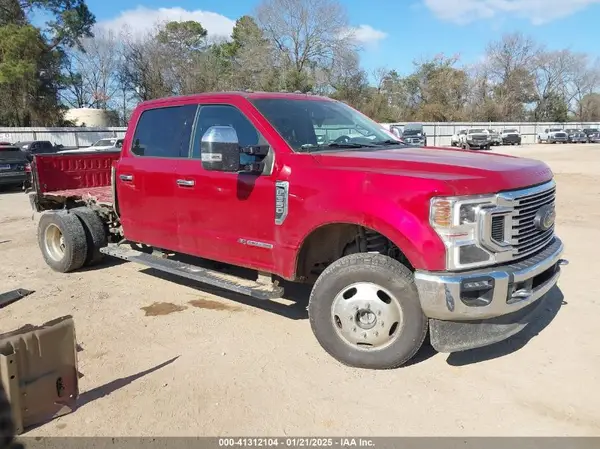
(12, 296)
(38, 370)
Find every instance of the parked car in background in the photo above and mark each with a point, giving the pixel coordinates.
(31, 147)
(495, 137)
(414, 133)
(575, 135)
(592, 135)
(553, 135)
(13, 166)
(510, 136)
(111, 144)
(475, 139)
(455, 139)
(396, 130)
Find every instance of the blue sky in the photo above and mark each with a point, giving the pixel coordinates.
(394, 33)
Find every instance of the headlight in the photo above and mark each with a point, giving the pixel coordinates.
(456, 222)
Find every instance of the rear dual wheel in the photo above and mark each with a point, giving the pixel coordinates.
(71, 239)
(365, 312)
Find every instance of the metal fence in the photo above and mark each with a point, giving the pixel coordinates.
(69, 137)
(437, 133)
(440, 133)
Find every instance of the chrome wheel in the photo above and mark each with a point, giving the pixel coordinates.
(55, 242)
(366, 316)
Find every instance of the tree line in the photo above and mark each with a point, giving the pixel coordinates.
(285, 45)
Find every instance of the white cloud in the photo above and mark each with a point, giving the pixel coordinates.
(365, 34)
(141, 20)
(538, 12)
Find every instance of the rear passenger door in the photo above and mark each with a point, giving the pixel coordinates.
(146, 180)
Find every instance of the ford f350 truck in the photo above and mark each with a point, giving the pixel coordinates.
(395, 239)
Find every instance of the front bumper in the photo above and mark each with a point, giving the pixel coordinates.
(479, 143)
(502, 310)
(511, 140)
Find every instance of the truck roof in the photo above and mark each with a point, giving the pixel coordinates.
(233, 94)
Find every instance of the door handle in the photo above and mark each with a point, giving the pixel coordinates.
(126, 178)
(185, 183)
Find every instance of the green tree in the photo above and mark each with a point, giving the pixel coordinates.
(31, 58)
(184, 37)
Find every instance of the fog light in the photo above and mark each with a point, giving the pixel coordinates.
(477, 292)
(478, 285)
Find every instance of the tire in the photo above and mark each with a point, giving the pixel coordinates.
(61, 238)
(95, 234)
(389, 293)
(488, 147)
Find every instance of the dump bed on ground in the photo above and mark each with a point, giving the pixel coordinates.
(74, 176)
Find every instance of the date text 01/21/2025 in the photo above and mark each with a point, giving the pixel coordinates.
(296, 442)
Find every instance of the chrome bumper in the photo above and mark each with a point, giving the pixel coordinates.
(513, 287)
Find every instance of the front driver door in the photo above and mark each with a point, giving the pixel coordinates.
(228, 217)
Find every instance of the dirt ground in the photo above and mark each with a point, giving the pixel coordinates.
(212, 363)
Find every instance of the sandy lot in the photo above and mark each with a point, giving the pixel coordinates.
(221, 364)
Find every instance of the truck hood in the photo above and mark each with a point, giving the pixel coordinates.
(465, 172)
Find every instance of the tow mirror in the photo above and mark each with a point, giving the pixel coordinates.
(220, 149)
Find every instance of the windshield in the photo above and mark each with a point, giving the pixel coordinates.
(592, 130)
(553, 130)
(312, 125)
(477, 130)
(510, 131)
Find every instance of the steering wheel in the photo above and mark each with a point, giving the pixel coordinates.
(342, 139)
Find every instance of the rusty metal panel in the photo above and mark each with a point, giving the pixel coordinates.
(38, 370)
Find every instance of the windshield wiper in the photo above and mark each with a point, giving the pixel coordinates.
(389, 142)
(349, 145)
(310, 147)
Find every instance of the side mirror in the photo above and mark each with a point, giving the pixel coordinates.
(220, 149)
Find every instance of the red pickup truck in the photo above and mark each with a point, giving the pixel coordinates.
(396, 239)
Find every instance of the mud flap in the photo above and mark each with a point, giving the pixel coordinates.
(38, 370)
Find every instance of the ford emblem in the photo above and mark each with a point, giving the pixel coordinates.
(544, 218)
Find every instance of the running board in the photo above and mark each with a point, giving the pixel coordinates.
(258, 290)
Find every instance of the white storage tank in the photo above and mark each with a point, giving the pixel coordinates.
(92, 118)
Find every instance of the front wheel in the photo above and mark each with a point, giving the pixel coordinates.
(365, 312)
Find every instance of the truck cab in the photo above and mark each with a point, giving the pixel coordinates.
(396, 240)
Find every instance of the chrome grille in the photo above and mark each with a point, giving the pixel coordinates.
(526, 238)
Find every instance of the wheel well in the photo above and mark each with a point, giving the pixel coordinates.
(329, 243)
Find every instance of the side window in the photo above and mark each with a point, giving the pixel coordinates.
(164, 132)
(225, 115)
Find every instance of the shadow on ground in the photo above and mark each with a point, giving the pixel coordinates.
(111, 387)
(298, 294)
(553, 303)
